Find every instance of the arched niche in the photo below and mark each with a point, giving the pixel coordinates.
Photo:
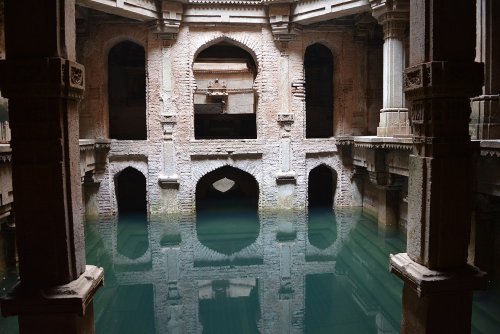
(321, 222)
(132, 239)
(226, 207)
(224, 100)
(318, 68)
(127, 91)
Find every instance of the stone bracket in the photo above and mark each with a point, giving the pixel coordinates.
(170, 181)
(42, 78)
(72, 298)
(427, 281)
(286, 177)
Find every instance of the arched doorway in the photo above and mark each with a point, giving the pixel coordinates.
(225, 99)
(227, 209)
(318, 68)
(321, 224)
(127, 91)
(133, 238)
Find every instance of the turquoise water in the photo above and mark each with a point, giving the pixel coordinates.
(240, 273)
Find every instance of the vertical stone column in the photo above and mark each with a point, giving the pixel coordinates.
(485, 117)
(393, 16)
(442, 76)
(43, 83)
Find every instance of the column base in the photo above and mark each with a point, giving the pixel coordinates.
(72, 298)
(436, 301)
(394, 123)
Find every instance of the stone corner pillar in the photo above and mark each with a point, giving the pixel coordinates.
(44, 84)
(439, 82)
(393, 16)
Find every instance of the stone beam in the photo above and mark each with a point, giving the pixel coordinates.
(144, 10)
(308, 12)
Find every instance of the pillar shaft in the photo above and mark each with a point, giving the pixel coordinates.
(485, 117)
(439, 82)
(43, 84)
(393, 16)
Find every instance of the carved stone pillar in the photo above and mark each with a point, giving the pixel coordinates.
(43, 83)
(485, 117)
(442, 76)
(393, 16)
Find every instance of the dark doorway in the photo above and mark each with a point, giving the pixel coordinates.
(132, 239)
(127, 91)
(322, 185)
(318, 65)
(131, 192)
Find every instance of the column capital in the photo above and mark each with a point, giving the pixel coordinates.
(393, 15)
(52, 77)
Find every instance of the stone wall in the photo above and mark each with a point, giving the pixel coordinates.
(171, 150)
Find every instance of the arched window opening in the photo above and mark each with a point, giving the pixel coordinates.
(321, 224)
(127, 91)
(132, 240)
(318, 66)
(226, 207)
(224, 101)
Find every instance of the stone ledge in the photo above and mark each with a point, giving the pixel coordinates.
(427, 281)
(286, 177)
(171, 181)
(73, 297)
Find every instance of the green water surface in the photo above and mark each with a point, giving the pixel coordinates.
(326, 272)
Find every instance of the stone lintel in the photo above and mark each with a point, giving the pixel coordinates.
(53, 77)
(427, 281)
(71, 298)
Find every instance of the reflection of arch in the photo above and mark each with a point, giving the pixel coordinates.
(322, 183)
(127, 91)
(224, 100)
(318, 68)
(130, 185)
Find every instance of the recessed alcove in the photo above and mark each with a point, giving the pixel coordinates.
(225, 99)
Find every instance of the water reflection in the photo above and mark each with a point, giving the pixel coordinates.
(322, 273)
(246, 274)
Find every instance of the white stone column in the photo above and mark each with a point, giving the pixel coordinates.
(393, 16)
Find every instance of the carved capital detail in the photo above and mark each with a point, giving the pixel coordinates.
(44, 77)
(443, 79)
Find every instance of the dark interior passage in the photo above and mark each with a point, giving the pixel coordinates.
(227, 210)
(318, 66)
(127, 91)
(322, 185)
(132, 239)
